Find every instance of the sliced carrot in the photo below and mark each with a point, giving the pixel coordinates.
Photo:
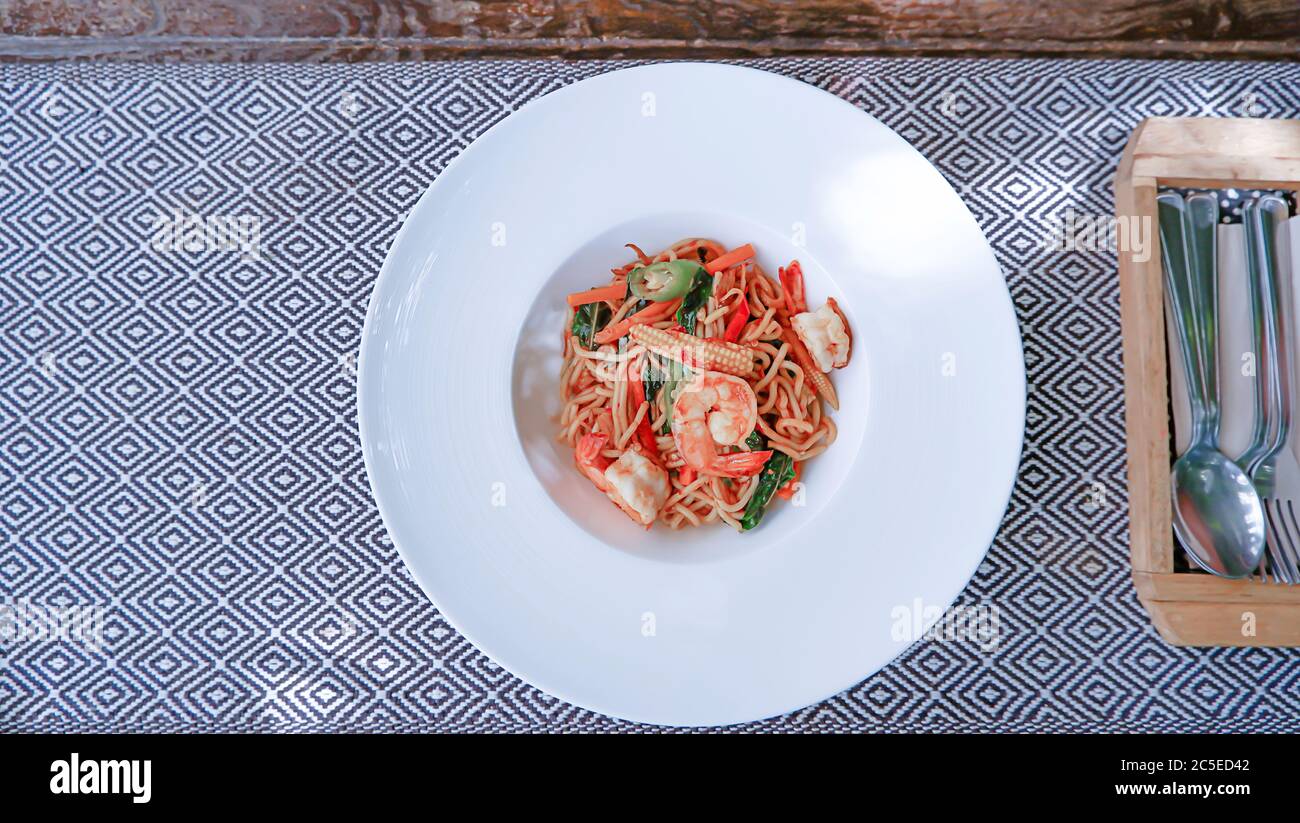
(615, 291)
(646, 438)
(650, 314)
(636, 387)
(729, 259)
(739, 317)
(644, 434)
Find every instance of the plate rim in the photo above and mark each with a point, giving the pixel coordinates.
(365, 425)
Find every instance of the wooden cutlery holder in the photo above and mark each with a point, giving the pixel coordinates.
(1188, 608)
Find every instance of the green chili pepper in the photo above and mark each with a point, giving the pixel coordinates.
(640, 304)
(778, 471)
(663, 281)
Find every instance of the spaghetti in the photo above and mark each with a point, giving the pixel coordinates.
(693, 384)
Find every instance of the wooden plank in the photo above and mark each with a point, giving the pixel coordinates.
(1207, 151)
(1196, 587)
(1225, 624)
(1146, 388)
(362, 49)
(406, 29)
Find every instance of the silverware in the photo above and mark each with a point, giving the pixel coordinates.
(1262, 434)
(1216, 511)
(1276, 472)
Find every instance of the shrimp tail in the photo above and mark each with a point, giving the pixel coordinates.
(791, 278)
(740, 464)
(587, 453)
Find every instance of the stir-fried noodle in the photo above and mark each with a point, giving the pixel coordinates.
(621, 384)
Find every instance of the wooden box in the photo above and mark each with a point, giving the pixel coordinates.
(1189, 608)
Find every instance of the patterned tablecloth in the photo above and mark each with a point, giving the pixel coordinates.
(181, 468)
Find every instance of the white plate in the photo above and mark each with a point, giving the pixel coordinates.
(458, 390)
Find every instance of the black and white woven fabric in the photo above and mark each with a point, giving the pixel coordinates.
(178, 443)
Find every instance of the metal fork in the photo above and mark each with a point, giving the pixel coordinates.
(1276, 473)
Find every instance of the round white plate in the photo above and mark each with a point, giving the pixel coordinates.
(458, 394)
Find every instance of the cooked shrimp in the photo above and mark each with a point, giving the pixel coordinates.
(825, 332)
(635, 483)
(714, 410)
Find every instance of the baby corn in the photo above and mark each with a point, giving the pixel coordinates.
(711, 355)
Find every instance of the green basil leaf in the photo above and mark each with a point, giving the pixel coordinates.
(777, 471)
(589, 319)
(695, 299)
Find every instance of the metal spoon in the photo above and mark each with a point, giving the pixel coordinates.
(1217, 514)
